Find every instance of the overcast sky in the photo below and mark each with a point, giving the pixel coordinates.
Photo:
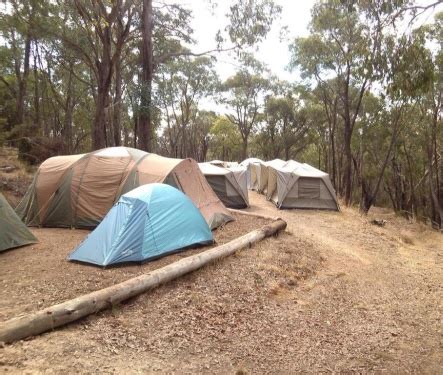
(296, 15)
(273, 51)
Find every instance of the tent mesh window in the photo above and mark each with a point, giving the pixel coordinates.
(309, 188)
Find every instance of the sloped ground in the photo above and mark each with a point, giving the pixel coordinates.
(15, 176)
(334, 293)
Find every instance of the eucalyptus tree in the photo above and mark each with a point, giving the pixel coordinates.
(430, 104)
(244, 95)
(410, 70)
(249, 22)
(286, 120)
(93, 37)
(181, 84)
(345, 43)
(224, 138)
(19, 30)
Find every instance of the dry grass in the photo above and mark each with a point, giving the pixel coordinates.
(14, 184)
(407, 239)
(336, 295)
(39, 275)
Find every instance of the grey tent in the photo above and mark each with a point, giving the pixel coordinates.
(248, 164)
(259, 174)
(241, 176)
(13, 233)
(297, 185)
(229, 185)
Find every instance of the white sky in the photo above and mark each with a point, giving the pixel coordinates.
(296, 15)
(273, 52)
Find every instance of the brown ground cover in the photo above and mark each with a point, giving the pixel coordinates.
(333, 293)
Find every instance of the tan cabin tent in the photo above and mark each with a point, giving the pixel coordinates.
(228, 183)
(248, 164)
(241, 175)
(79, 190)
(259, 174)
(297, 185)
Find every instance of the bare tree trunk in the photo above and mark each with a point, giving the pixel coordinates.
(69, 109)
(145, 115)
(244, 151)
(104, 82)
(135, 140)
(23, 81)
(37, 121)
(99, 128)
(369, 195)
(333, 151)
(433, 162)
(348, 164)
(117, 103)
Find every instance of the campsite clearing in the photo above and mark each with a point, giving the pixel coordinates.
(334, 293)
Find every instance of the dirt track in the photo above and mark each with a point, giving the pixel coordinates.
(335, 293)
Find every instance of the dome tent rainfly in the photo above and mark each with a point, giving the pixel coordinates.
(78, 190)
(13, 233)
(227, 184)
(297, 185)
(148, 222)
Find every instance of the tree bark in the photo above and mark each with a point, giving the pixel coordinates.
(244, 151)
(99, 128)
(36, 92)
(69, 109)
(348, 163)
(69, 311)
(145, 115)
(104, 72)
(369, 195)
(117, 103)
(23, 81)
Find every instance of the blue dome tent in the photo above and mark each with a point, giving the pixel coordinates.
(146, 223)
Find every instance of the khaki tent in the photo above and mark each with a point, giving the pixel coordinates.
(247, 163)
(79, 190)
(297, 185)
(13, 233)
(259, 174)
(241, 175)
(229, 185)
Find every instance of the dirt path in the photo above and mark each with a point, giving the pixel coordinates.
(377, 304)
(334, 293)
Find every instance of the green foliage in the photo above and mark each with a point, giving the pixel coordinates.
(225, 141)
(368, 113)
(250, 21)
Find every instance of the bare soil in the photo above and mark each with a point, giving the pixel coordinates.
(332, 294)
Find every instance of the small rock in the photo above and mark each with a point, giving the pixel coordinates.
(379, 222)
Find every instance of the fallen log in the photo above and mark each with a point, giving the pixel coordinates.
(77, 308)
